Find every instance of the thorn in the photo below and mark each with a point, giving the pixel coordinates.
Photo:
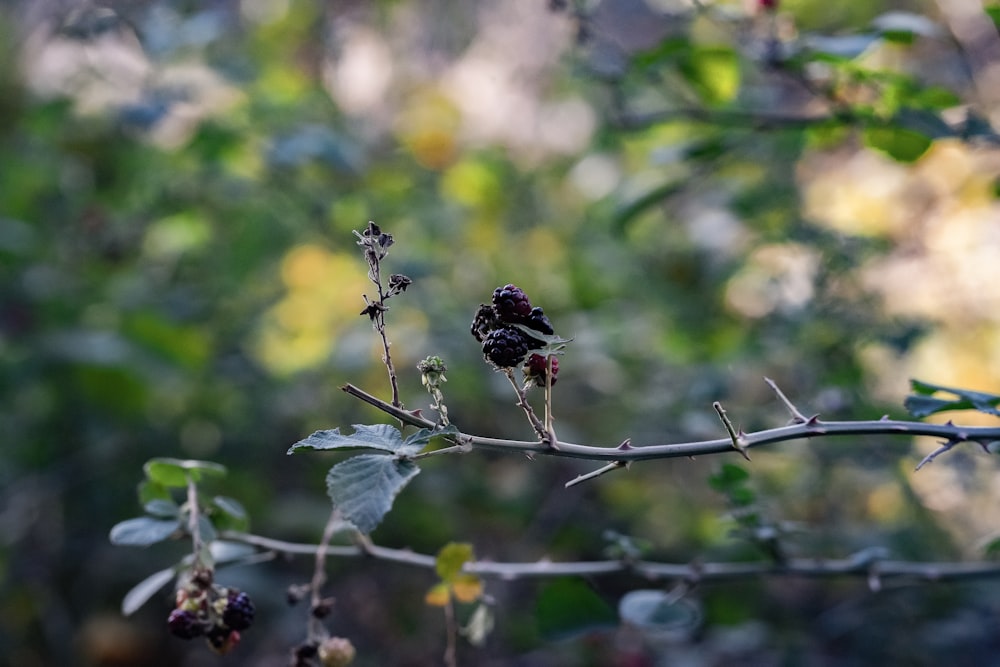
(884, 418)
(416, 413)
(813, 421)
(626, 444)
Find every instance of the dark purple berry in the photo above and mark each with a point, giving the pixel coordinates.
(239, 611)
(486, 320)
(512, 303)
(505, 347)
(184, 624)
(539, 322)
(537, 366)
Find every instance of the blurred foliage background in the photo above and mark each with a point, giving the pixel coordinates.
(699, 194)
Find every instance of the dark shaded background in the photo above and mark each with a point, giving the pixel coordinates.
(178, 277)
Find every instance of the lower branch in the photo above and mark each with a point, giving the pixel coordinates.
(859, 565)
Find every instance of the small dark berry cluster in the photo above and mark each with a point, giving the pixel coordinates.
(205, 609)
(503, 328)
(537, 367)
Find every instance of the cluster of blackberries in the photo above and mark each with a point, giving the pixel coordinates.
(207, 610)
(504, 328)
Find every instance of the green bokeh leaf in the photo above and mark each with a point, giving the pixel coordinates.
(451, 558)
(164, 509)
(142, 531)
(175, 472)
(364, 487)
(713, 71)
(568, 607)
(899, 143)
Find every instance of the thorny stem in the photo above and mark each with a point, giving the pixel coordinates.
(317, 631)
(813, 428)
(549, 417)
(522, 401)
(864, 563)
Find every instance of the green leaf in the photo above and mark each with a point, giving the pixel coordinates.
(150, 491)
(713, 71)
(145, 589)
(655, 609)
(568, 607)
(364, 487)
(175, 472)
(899, 143)
(164, 509)
(417, 441)
(143, 531)
(922, 402)
(728, 477)
(377, 436)
(451, 558)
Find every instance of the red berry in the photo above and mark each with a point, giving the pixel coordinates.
(537, 366)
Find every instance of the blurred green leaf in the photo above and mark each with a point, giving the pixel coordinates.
(713, 71)
(233, 515)
(164, 509)
(568, 607)
(922, 402)
(175, 472)
(143, 531)
(364, 487)
(145, 589)
(899, 143)
(728, 477)
(451, 558)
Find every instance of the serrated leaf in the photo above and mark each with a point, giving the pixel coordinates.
(142, 531)
(921, 403)
(451, 558)
(657, 609)
(145, 589)
(374, 436)
(364, 487)
(174, 473)
(417, 441)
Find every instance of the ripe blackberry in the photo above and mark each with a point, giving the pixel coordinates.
(512, 303)
(505, 347)
(539, 322)
(239, 611)
(536, 367)
(184, 624)
(486, 320)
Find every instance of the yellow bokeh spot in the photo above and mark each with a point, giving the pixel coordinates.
(467, 588)
(428, 126)
(439, 596)
(473, 184)
(300, 330)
